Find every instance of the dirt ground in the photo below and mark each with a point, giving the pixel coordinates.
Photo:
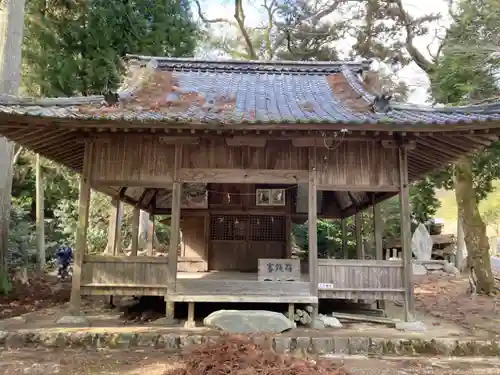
(33, 362)
(446, 298)
(40, 293)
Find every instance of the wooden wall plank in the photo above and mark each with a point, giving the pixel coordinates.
(131, 160)
(357, 166)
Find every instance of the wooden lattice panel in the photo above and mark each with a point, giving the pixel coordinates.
(251, 228)
(267, 228)
(228, 227)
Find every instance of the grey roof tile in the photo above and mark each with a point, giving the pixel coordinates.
(255, 92)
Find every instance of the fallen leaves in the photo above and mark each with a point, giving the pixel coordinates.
(238, 355)
(446, 297)
(40, 293)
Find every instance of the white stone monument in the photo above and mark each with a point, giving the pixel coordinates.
(421, 243)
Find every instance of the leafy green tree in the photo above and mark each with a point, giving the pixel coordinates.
(424, 203)
(465, 73)
(75, 47)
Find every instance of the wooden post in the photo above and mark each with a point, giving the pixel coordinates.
(81, 230)
(40, 229)
(114, 228)
(175, 222)
(358, 223)
(190, 322)
(378, 229)
(379, 251)
(291, 312)
(135, 230)
(406, 234)
(151, 235)
(345, 249)
(312, 228)
(289, 237)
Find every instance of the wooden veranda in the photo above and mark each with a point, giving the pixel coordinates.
(235, 152)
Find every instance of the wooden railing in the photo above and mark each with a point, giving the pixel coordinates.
(124, 275)
(360, 279)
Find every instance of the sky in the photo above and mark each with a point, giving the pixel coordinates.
(411, 74)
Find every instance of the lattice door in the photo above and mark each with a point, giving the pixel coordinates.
(237, 241)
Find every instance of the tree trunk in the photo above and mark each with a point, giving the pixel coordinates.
(476, 240)
(6, 154)
(461, 256)
(11, 37)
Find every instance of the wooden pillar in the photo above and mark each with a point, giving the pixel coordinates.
(289, 237)
(358, 223)
(175, 222)
(190, 322)
(40, 228)
(312, 228)
(115, 224)
(406, 234)
(135, 230)
(151, 235)
(81, 230)
(345, 249)
(378, 232)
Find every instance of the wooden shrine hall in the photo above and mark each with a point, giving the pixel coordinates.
(235, 152)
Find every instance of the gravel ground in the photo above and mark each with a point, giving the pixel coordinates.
(37, 362)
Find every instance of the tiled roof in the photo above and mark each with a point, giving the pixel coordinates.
(197, 91)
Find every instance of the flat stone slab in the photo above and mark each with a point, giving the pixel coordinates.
(294, 345)
(416, 326)
(248, 321)
(73, 320)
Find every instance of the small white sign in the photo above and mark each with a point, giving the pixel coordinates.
(325, 286)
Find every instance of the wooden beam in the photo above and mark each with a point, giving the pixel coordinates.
(243, 176)
(345, 249)
(393, 143)
(173, 140)
(359, 188)
(246, 141)
(378, 234)
(135, 230)
(151, 235)
(174, 230)
(114, 227)
(312, 228)
(81, 230)
(358, 223)
(379, 230)
(409, 305)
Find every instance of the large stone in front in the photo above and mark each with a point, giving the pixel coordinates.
(248, 321)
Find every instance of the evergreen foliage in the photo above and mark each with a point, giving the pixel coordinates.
(76, 47)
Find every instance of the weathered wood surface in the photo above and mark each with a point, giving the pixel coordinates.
(279, 269)
(357, 166)
(360, 279)
(131, 160)
(243, 176)
(206, 290)
(124, 273)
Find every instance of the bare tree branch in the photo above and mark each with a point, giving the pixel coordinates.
(239, 16)
(424, 64)
(207, 20)
(16, 156)
(271, 10)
